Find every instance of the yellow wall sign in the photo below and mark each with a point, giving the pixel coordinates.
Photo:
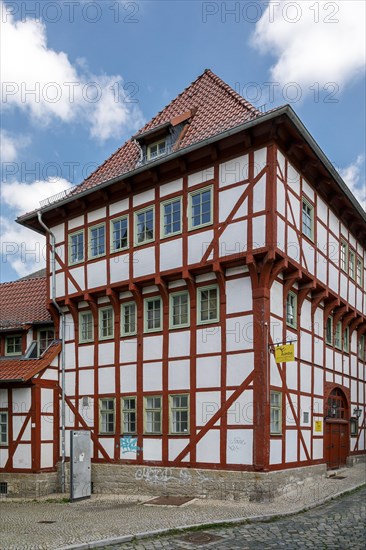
(285, 353)
(318, 425)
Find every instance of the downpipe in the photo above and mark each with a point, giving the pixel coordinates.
(63, 332)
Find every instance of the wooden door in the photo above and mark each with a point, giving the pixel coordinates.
(336, 444)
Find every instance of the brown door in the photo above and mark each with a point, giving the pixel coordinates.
(336, 444)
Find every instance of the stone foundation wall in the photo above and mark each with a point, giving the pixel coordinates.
(356, 459)
(30, 485)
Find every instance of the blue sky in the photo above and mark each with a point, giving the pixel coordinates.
(101, 69)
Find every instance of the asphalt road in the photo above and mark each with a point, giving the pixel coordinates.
(339, 524)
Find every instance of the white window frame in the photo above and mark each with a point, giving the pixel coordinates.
(291, 296)
(192, 227)
(352, 264)
(12, 336)
(171, 310)
(146, 301)
(311, 207)
(156, 144)
(173, 409)
(199, 302)
(338, 335)
(361, 347)
(5, 423)
(276, 407)
(346, 340)
(71, 235)
(327, 341)
(153, 410)
(162, 218)
(100, 313)
(91, 228)
(124, 306)
(83, 314)
(112, 222)
(359, 271)
(344, 256)
(107, 411)
(127, 412)
(142, 211)
(47, 341)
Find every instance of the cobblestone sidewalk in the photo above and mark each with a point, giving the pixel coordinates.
(54, 524)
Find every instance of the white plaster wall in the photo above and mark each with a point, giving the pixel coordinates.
(228, 199)
(97, 274)
(259, 231)
(209, 372)
(18, 422)
(128, 379)
(86, 356)
(106, 353)
(179, 343)
(119, 267)
(233, 171)
(239, 447)
(206, 174)
(239, 333)
(171, 254)
(118, 207)
(86, 382)
(171, 187)
(198, 244)
(175, 446)
(142, 198)
(208, 448)
(259, 195)
(207, 404)
(22, 399)
(238, 295)
(291, 445)
(153, 376)
(238, 368)
(97, 214)
(107, 380)
(152, 449)
(208, 340)
(128, 350)
(234, 239)
(144, 261)
(153, 348)
(23, 456)
(179, 375)
(275, 452)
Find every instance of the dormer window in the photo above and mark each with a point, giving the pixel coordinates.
(156, 149)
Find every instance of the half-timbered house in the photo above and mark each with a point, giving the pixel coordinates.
(212, 235)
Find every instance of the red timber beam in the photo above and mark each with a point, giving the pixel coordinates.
(338, 314)
(137, 296)
(355, 324)
(346, 320)
(114, 300)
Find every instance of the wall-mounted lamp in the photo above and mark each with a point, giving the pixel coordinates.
(357, 412)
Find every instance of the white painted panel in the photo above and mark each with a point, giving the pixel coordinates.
(98, 214)
(289, 415)
(234, 239)
(259, 195)
(60, 251)
(208, 340)
(333, 223)
(309, 254)
(239, 333)
(198, 244)
(70, 356)
(22, 399)
(128, 350)
(207, 404)
(86, 382)
(171, 254)
(128, 378)
(152, 449)
(46, 399)
(208, 448)
(171, 187)
(238, 295)
(309, 192)
(275, 377)
(259, 231)
(59, 232)
(23, 456)
(305, 378)
(86, 356)
(120, 267)
(233, 171)
(4, 453)
(153, 347)
(97, 274)
(306, 435)
(142, 198)
(107, 380)
(317, 449)
(241, 411)
(179, 375)
(153, 376)
(76, 222)
(70, 383)
(306, 345)
(144, 261)
(293, 178)
(179, 343)
(106, 353)
(18, 422)
(291, 445)
(281, 198)
(318, 381)
(291, 376)
(238, 368)
(47, 428)
(239, 447)
(205, 277)
(321, 268)
(293, 246)
(281, 234)
(209, 372)
(322, 210)
(60, 284)
(228, 199)
(118, 207)
(108, 445)
(176, 446)
(275, 452)
(277, 299)
(200, 177)
(260, 160)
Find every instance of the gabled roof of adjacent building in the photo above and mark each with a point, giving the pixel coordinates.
(22, 370)
(23, 302)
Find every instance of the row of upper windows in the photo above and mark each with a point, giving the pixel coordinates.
(152, 411)
(200, 214)
(179, 314)
(349, 260)
(13, 343)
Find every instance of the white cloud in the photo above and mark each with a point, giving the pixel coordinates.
(313, 46)
(23, 248)
(355, 179)
(45, 84)
(10, 146)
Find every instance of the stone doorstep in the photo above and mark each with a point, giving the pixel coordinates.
(337, 472)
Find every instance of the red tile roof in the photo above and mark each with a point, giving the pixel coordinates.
(216, 106)
(21, 370)
(23, 302)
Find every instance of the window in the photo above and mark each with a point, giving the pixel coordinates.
(329, 331)
(144, 226)
(338, 336)
(153, 415)
(129, 425)
(344, 255)
(3, 428)
(106, 323)
(171, 217)
(153, 314)
(354, 427)
(307, 219)
(200, 208)
(361, 347)
(276, 413)
(352, 264)
(346, 340)
(76, 247)
(13, 345)
(336, 404)
(359, 270)
(291, 309)
(97, 241)
(179, 310)
(128, 319)
(86, 326)
(208, 305)
(119, 231)
(156, 149)
(106, 415)
(46, 336)
(179, 414)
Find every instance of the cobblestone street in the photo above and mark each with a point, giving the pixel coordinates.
(339, 524)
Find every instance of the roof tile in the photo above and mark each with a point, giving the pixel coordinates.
(22, 370)
(22, 302)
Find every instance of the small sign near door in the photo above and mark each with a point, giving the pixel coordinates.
(318, 426)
